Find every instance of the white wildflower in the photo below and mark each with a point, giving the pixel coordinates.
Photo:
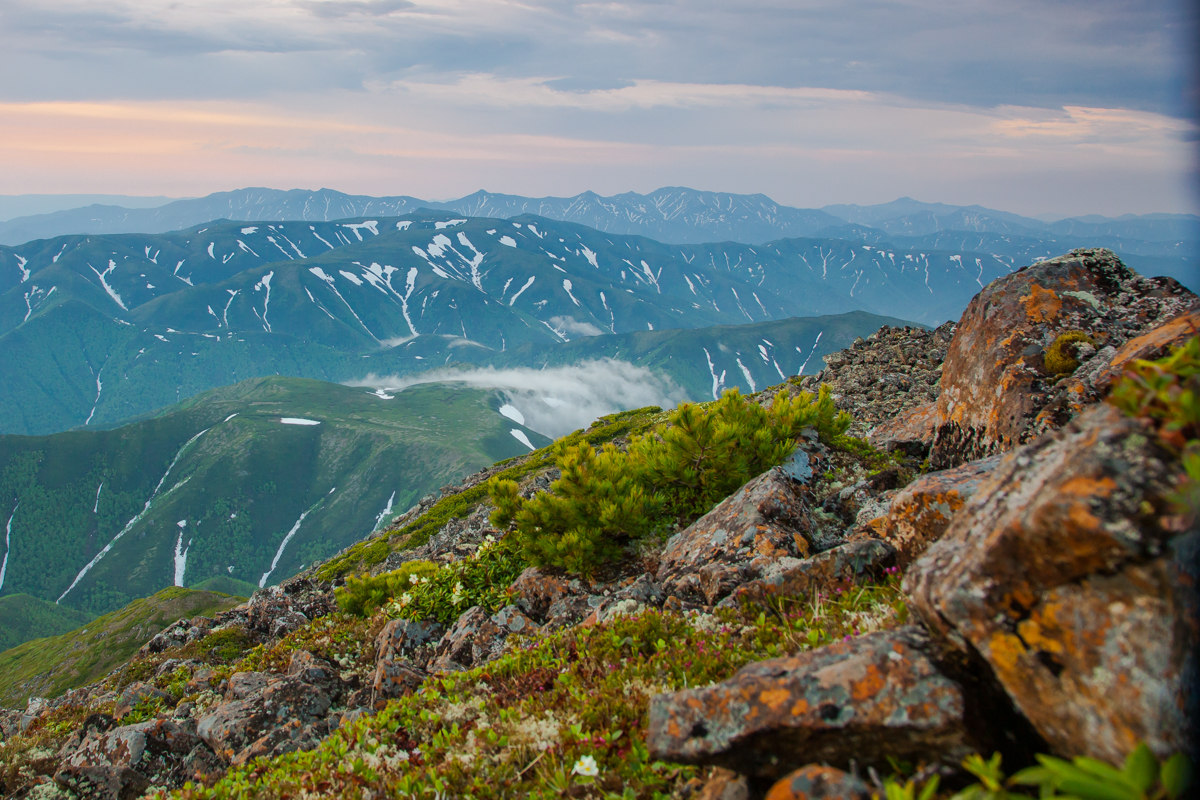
(586, 767)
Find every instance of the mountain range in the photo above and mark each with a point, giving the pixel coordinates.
(95, 330)
(672, 214)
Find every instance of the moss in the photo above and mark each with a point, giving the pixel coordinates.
(1060, 355)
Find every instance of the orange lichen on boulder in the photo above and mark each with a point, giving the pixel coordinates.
(1058, 576)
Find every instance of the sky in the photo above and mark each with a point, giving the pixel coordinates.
(1033, 106)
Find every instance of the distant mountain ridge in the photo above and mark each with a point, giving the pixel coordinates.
(671, 214)
(99, 329)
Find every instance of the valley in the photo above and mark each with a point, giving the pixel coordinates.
(248, 482)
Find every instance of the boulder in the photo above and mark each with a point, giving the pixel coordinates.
(253, 710)
(230, 727)
(307, 668)
(865, 699)
(1155, 344)
(537, 590)
(246, 684)
(477, 638)
(1057, 573)
(995, 383)
(920, 512)
(816, 782)
(408, 640)
(633, 598)
(853, 562)
(911, 433)
(764, 521)
(287, 737)
(723, 784)
(570, 610)
(123, 762)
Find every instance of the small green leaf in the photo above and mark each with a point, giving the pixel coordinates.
(930, 788)
(1092, 788)
(1141, 768)
(1035, 776)
(1176, 775)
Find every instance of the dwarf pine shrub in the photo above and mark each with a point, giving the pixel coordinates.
(671, 476)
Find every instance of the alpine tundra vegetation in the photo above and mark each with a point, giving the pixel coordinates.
(953, 562)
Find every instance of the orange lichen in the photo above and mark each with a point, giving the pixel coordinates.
(1041, 305)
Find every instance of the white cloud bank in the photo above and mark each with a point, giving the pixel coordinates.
(557, 400)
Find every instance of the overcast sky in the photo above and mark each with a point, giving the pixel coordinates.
(1032, 106)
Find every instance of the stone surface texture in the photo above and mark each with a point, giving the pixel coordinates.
(921, 512)
(865, 699)
(764, 521)
(885, 377)
(1058, 573)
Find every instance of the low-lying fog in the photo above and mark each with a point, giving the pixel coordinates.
(556, 400)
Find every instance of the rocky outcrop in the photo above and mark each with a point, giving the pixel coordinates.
(1058, 573)
(869, 698)
(764, 521)
(477, 638)
(107, 763)
(996, 389)
(886, 376)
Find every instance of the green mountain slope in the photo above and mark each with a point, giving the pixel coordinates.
(250, 481)
(96, 330)
(23, 617)
(48, 667)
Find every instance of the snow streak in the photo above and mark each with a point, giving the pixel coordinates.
(7, 545)
(129, 525)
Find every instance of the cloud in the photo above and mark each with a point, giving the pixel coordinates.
(334, 9)
(557, 400)
(568, 325)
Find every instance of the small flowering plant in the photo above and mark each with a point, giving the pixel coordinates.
(444, 593)
(586, 769)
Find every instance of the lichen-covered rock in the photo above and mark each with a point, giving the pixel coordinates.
(630, 597)
(123, 762)
(404, 640)
(764, 521)
(1155, 344)
(230, 727)
(866, 699)
(920, 512)
(910, 433)
(536, 590)
(1057, 572)
(995, 384)
(816, 782)
(253, 710)
(853, 562)
(724, 784)
(477, 638)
